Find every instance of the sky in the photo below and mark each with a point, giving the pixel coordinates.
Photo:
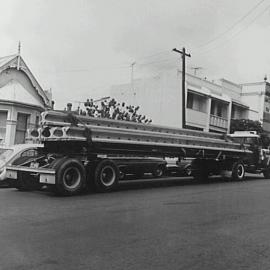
(79, 48)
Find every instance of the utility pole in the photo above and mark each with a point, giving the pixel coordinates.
(184, 54)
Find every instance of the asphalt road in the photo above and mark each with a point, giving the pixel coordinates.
(176, 224)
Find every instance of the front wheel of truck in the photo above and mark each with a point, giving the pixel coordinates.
(70, 177)
(238, 171)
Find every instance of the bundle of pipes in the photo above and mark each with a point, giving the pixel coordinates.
(57, 126)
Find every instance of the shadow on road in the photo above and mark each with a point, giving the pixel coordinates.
(149, 183)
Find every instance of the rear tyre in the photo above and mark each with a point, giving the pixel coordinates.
(158, 171)
(106, 176)
(238, 171)
(70, 177)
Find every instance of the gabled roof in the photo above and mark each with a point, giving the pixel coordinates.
(16, 61)
(6, 59)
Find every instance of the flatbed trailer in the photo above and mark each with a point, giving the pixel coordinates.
(71, 159)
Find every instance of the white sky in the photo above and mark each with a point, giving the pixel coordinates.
(81, 47)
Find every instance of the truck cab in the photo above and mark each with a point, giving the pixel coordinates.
(259, 161)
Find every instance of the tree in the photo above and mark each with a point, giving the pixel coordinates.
(114, 110)
(245, 125)
(250, 125)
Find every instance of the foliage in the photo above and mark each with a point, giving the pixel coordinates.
(245, 125)
(113, 110)
(250, 125)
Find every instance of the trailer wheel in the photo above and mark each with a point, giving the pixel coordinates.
(70, 177)
(106, 176)
(238, 171)
(158, 171)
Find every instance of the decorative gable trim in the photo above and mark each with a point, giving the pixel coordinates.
(18, 63)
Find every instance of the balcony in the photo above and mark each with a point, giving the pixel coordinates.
(196, 118)
(219, 122)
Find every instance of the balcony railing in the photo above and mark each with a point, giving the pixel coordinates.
(217, 121)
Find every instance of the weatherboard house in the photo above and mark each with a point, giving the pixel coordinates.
(22, 99)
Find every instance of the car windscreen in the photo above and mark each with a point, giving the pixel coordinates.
(5, 154)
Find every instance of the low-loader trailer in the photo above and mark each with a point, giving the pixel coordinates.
(77, 150)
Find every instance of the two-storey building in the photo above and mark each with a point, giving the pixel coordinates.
(210, 106)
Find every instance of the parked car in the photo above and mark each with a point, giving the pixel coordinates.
(15, 155)
(182, 167)
(138, 166)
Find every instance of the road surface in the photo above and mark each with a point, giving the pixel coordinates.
(175, 224)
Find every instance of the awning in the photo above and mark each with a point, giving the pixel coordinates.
(239, 104)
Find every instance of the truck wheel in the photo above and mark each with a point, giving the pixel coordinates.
(70, 177)
(158, 171)
(106, 176)
(238, 171)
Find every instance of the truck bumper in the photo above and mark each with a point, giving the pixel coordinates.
(44, 176)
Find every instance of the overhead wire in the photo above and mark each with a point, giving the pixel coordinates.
(225, 43)
(230, 28)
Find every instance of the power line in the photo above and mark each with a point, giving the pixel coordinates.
(237, 33)
(232, 26)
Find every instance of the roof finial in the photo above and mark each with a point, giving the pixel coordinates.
(19, 48)
(19, 55)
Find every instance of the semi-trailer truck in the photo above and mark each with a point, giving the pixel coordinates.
(76, 152)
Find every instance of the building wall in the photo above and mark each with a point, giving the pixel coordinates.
(257, 95)
(160, 98)
(18, 97)
(157, 97)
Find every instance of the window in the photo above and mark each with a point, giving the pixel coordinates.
(29, 153)
(3, 123)
(21, 128)
(196, 102)
(219, 109)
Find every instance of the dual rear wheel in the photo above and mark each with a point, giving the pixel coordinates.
(71, 178)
